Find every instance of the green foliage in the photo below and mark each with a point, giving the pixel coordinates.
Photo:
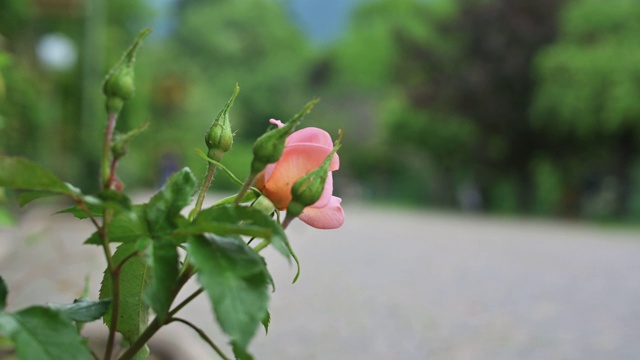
(228, 220)
(163, 260)
(40, 333)
(20, 173)
(548, 187)
(236, 280)
(83, 309)
(134, 277)
(589, 80)
(371, 49)
(3, 294)
(164, 208)
(126, 227)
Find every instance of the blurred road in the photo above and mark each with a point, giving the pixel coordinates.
(398, 284)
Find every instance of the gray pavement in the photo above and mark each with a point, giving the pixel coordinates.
(396, 284)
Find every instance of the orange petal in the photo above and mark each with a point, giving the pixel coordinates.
(296, 161)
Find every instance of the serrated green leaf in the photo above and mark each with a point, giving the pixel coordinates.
(43, 334)
(265, 322)
(165, 206)
(224, 229)
(3, 294)
(163, 262)
(134, 278)
(20, 173)
(27, 197)
(247, 219)
(93, 204)
(83, 309)
(236, 280)
(126, 227)
(241, 354)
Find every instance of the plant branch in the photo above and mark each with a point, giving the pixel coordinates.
(206, 183)
(86, 210)
(262, 245)
(245, 187)
(186, 301)
(287, 221)
(106, 149)
(203, 336)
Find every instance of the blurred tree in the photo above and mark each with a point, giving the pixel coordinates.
(589, 86)
(42, 111)
(461, 71)
(213, 45)
(252, 42)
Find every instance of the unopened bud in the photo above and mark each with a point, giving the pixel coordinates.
(219, 138)
(269, 147)
(119, 84)
(309, 188)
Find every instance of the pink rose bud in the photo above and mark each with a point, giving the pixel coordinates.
(304, 152)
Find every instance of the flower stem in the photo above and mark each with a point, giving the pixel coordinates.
(262, 245)
(287, 221)
(203, 336)
(245, 187)
(206, 183)
(106, 149)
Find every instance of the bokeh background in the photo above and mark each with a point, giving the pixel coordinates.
(503, 106)
(486, 142)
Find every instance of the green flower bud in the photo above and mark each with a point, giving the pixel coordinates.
(219, 138)
(309, 188)
(118, 85)
(120, 144)
(269, 147)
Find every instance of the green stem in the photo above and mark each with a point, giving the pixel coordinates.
(206, 183)
(106, 149)
(245, 187)
(287, 221)
(203, 336)
(186, 301)
(262, 245)
(131, 351)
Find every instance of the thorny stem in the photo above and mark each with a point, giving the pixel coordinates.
(108, 173)
(206, 183)
(203, 336)
(112, 173)
(106, 149)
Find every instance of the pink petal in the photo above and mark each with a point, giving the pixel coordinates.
(328, 217)
(310, 135)
(326, 193)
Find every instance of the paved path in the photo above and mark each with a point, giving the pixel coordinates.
(395, 284)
